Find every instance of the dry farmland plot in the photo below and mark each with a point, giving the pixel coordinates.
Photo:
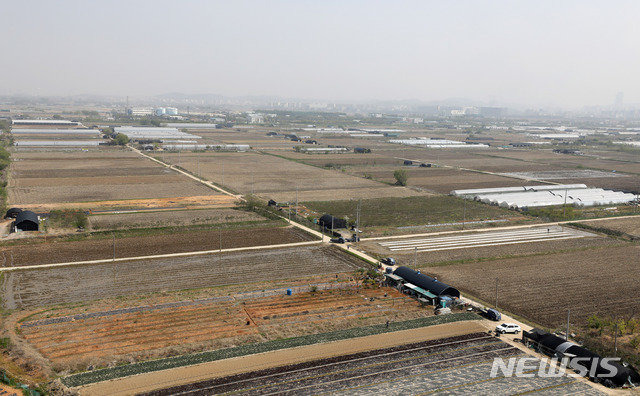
(273, 177)
(65, 177)
(34, 288)
(100, 247)
(212, 323)
(629, 226)
(412, 211)
(472, 246)
(170, 218)
(603, 281)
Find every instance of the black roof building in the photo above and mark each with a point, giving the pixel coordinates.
(426, 282)
(27, 221)
(12, 213)
(553, 345)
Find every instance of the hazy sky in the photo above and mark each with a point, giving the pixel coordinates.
(568, 53)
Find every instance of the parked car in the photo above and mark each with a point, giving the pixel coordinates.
(492, 314)
(338, 240)
(388, 261)
(508, 328)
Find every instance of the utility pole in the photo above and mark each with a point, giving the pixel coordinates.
(358, 217)
(615, 341)
(564, 207)
(296, 200)
(464, 212)
(220, 238)
(496, 304)
(568, 315)
(113, 234)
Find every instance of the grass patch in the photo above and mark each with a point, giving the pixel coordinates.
(250, 349)
(380, 212)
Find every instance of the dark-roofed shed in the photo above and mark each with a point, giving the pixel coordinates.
(426, 282)
(27, 221)
(12, 213)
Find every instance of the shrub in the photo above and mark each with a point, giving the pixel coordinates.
(401, 177)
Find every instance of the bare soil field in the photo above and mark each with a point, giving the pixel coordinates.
(191, 202)
(603, 281)
(44, 177)
(629, 226)
(273, 177)
(148, 243)
(440, 180)
(79, 284)
(101, 337)
(170, 218)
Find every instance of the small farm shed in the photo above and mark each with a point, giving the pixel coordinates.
(433, 286)
(328, 221)
(26, 221)
(12, 213)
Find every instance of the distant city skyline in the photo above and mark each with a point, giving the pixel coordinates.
(566, 54)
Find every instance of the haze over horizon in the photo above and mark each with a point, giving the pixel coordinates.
(557, 53)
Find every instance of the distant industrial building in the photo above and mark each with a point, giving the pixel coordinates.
(255, 118)
(140, 111)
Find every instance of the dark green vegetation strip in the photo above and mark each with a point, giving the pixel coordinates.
(411, 210)
(250, 349)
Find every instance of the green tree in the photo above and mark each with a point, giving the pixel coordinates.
(401, 177)
(121, 139)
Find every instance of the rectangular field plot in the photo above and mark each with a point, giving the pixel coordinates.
(439, 180)
(41, 287)
(213, 322)
(170, 218)
(412, 211)
(277, 178)
(600, 280)
(454, 365)
(101, 247)
(41, 177)
(481, 239)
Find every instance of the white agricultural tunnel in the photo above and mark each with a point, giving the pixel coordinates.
(537, 196)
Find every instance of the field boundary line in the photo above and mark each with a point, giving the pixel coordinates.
(196, 178)
(157, 256)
